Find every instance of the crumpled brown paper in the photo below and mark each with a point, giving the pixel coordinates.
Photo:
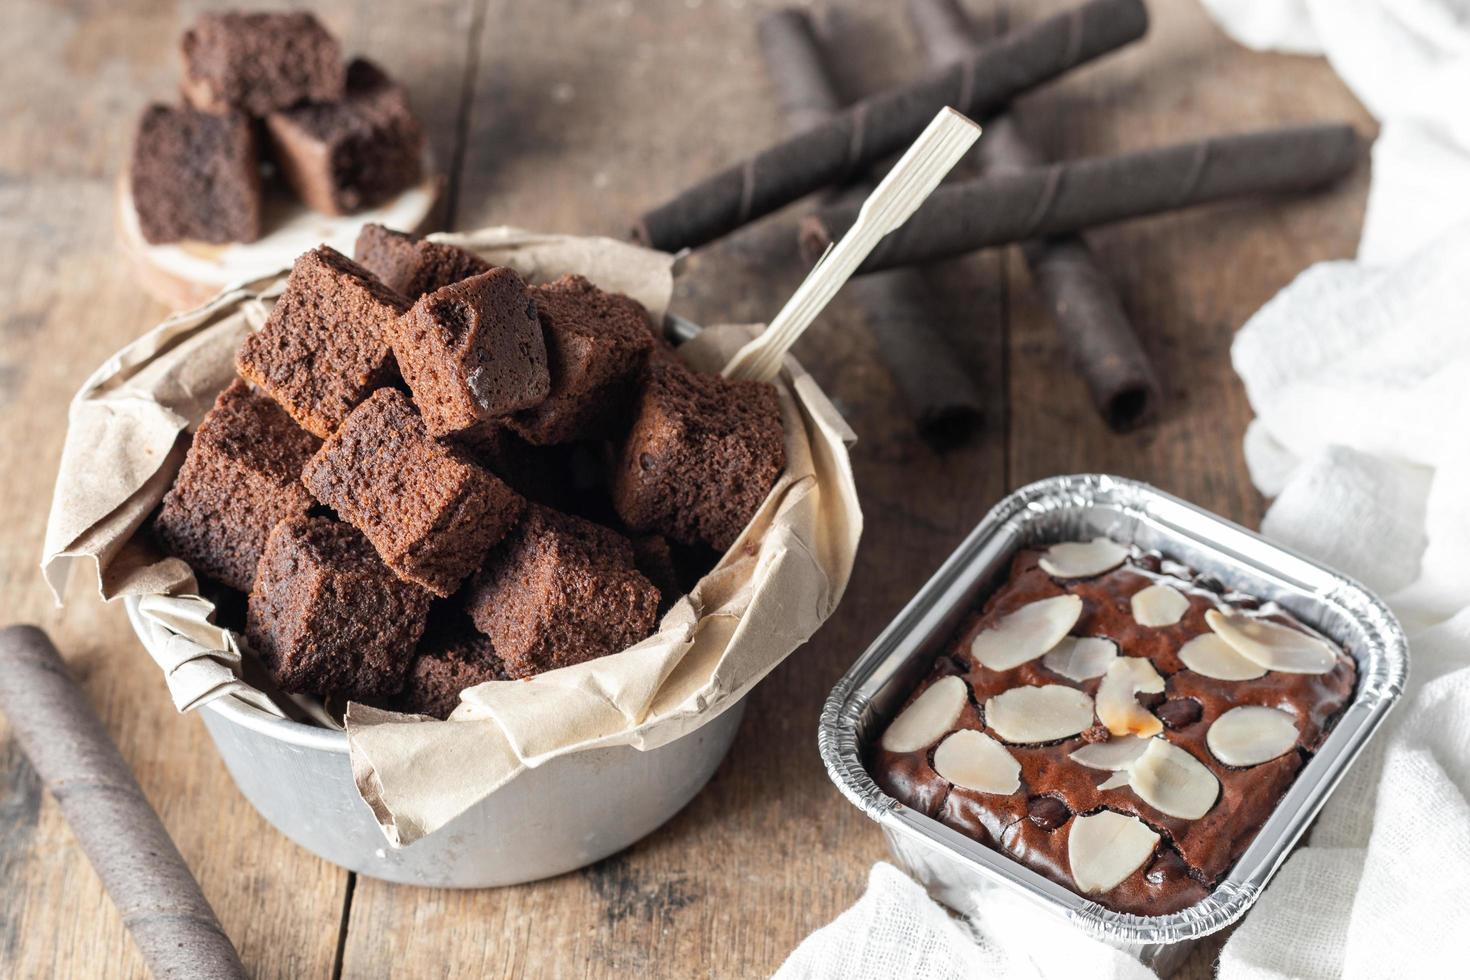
(767, 595)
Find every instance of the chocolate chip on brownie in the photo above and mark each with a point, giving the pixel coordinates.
(241, 476)
(327, 617)
(431, 513)
(325, 346)
(472, 351)
(195, 176)
(353, 153)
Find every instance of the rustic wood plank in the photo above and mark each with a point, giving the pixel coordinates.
(87, 70)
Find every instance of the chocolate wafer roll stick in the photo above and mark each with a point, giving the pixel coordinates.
(160, 902)
(927, 369)
(885, 123)
(1088, 314)
(1062, 198)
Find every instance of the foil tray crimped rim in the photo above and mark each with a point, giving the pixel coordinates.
(1375, 640)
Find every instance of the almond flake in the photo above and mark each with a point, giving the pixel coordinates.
(1159, 605)
(1272, 645)
(1117, 708)
(1081, 658)
(1082, 559)
(1026, 715)
(976, 761)
(930, 715)
(1172, 781)
(1027, 633)
(1107, 847)
(1210, 656)
(1250, 735)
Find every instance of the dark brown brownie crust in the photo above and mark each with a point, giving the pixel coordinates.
(596, 344)
(355, 153)
(259, 62)
(449, 660)
(559, 591)
(431, 513)
(195, 176)
(702, 454)
(325, 346)
(327, 618)
(472, 351)
(1192, 854)
(412, 266)
(242, 475)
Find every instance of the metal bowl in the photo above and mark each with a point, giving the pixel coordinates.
(565, 814)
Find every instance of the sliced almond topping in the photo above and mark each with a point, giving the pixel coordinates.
(1115, 753)
(1107, 847)
(1024, 715)
(1272, 645)
(1081, 559)
(1251, 735)
(1117, 780)
(976, 761)
(1117, 707)
(1027, 633)
(1159, 605)
(926, 720)
(1081, 658)
(1172, 781)
(1210, 656)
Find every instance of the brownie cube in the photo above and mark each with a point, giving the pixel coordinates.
(327, 617)
(596, 343)
(702, 454)
(559, 591)
(449, 660)
(472, 351)
(325, 346)
(412, 266)
(259, 62)
(431, 513)
(195, 176)
(353, 153)
(242, 475)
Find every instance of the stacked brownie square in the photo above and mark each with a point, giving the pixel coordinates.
(342, 137)
(433, 475)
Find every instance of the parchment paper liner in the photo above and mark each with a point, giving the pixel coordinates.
(767, 595)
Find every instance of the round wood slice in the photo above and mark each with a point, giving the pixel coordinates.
(186, 274)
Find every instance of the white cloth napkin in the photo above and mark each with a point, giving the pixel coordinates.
(1359, 373)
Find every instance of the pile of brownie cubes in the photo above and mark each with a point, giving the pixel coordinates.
(430, 474)
(272, 86)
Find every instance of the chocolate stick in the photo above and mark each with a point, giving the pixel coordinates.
(1062, 198)
(885, 123)
(1085, 307)
(946, 403)
(160, 902)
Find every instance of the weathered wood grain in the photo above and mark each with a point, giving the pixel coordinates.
(573, 116)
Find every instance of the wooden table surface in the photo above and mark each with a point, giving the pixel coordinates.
(572, 116)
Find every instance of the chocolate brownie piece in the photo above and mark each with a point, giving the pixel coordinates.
(559, 591)
(701, 457)
(472, 351)
(1188, 842)
(241, 476)
(431, 512)
(195, 176)
(353, 153)
(325, 346)
(411, 265)
(259, 62)
(449, 660)
(596, 343)
(327, 617)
